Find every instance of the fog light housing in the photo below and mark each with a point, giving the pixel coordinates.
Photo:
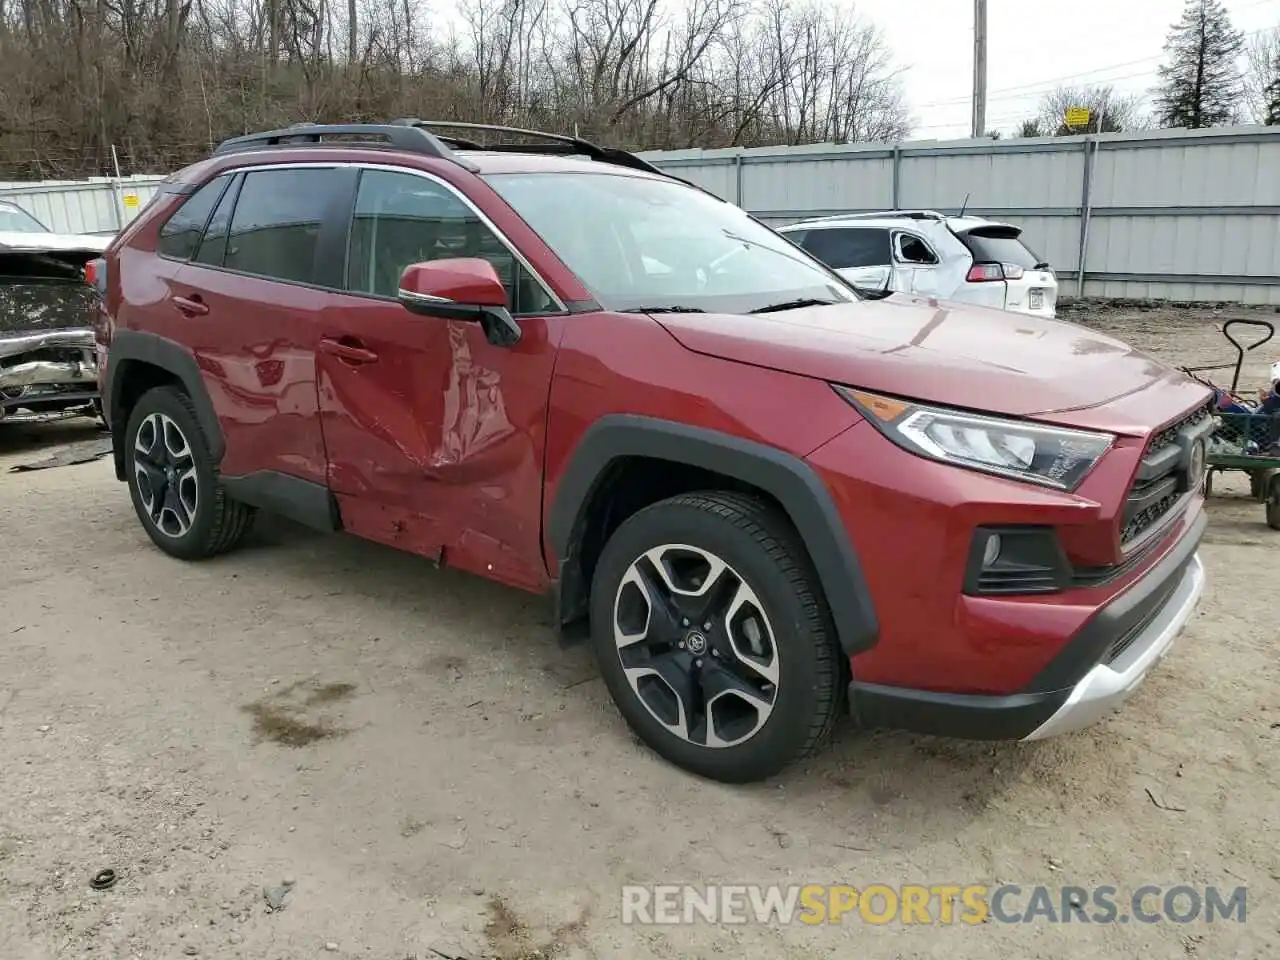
(1016, 560)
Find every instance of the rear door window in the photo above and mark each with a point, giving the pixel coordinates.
(1000, 246)
(181, 233)
(844, 247)
(276, 225)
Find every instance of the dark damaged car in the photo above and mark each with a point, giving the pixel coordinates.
(47, 311)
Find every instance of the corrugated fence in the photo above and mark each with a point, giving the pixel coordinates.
(100, 205)
(1172, 214)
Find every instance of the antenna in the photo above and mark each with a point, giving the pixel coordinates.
(964, 206)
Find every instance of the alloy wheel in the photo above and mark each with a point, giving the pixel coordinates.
(696, 645)
(165, 471)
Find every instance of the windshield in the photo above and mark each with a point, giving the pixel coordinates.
(16, 220)
(637, 242)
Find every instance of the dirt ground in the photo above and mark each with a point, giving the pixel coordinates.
(436, 778)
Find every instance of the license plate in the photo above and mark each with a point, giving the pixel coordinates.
(1036, 299)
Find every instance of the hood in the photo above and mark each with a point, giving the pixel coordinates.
(70, 244)
(937, 352)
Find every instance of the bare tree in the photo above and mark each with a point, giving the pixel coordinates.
(1109, 112)
(1262, 74)
(163, 80)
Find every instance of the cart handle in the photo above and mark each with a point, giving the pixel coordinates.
(1240, 350)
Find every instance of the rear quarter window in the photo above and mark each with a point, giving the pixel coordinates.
(181, 233)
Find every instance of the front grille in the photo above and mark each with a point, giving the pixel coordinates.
(1169, 435)
(1161, 479)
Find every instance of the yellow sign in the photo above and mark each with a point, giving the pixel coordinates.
(131, 201)
(1077, 116)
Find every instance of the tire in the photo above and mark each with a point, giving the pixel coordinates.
(1273, 505)
(765, 578)
(199, 520)
(1259, 484)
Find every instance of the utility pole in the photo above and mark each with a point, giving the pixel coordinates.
(979, 68)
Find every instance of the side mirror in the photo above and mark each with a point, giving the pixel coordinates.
(461, 288)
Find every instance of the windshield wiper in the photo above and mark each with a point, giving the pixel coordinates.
(793, 305)
(672, 308)
(1042, 265)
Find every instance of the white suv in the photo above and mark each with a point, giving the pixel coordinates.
(925, 252)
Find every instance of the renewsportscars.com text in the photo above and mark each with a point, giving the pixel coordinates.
(665, 904)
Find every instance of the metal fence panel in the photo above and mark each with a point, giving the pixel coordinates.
(99, 206)
(1169, 214)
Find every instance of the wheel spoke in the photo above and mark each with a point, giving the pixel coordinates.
(750, 637)
(178, 509)
(694, 579)
(669, 691)
(175, 444)
(661, 625)
(735, 709)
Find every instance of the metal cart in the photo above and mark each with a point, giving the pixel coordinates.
(1244, 442)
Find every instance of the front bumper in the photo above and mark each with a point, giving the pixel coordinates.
(44, 368)
(1094, 673)
(1104, 688)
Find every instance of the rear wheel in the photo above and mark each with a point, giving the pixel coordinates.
(172, 481)
(1260, 483)
(1273, 504)
(712, 638)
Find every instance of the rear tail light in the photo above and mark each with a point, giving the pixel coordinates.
(984, 273)
(95, 275)
(990, 272)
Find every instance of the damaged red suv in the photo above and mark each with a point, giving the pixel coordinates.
(764, 496)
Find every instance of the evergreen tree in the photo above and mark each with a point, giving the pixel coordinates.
(1272, 94)
(1201, 83)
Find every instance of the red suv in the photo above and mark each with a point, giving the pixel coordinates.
(766, 495)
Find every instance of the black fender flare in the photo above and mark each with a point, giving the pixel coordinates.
(788, 479)
(129, 347)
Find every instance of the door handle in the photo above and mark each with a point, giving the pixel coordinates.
(347, 350)
(191, 306)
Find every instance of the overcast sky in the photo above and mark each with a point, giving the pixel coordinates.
(1031, 48)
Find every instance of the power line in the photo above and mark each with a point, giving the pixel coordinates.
(1046, 86)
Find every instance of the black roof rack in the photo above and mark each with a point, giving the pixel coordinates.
(553, 143)
(395, 136)
(418, 136)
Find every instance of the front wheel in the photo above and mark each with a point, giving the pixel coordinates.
(712, 636)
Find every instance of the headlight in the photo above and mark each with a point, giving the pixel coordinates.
(1050, 456)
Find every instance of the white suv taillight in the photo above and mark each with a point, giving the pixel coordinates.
(984, 273)
(989, 272)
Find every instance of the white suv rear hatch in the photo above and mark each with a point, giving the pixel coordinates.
(1018, 278)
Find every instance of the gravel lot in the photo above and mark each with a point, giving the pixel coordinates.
(411, 749)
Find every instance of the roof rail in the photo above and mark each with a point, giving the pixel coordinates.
(396, 136)
(554, 143)
(881, 215)
(418, 136)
